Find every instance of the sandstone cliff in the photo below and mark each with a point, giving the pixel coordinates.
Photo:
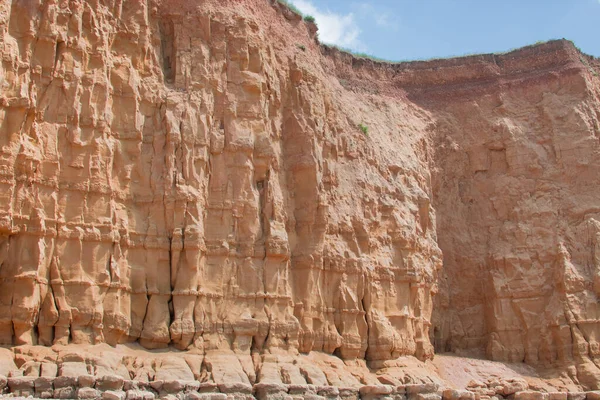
(516, 141)
(192, 175)
(515, 190)
(186, 175)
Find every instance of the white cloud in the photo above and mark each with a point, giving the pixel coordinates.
(384, 20)
(337, 29)
(379, 15)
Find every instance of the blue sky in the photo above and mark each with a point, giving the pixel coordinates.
(422, 29)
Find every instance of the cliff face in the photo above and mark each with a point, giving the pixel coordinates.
(514, 182)
(515, 186)
(190, 176)
(193, 175)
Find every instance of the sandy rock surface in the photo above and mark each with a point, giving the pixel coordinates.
(188, 205)
(187, 178)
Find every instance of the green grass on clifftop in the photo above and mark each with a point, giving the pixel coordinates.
(290, 6)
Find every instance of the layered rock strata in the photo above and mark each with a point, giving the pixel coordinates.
(519, 174)
(185, 174)
(514, 182)
(210, 179)
(521, 185)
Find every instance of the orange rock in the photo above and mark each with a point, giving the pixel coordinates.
(208, 183)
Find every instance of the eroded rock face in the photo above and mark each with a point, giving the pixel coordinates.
(193, 175)
(517, 212)
(184, 174)
(514, 177)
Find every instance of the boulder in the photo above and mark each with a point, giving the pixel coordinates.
(530, 395)
(88, 393)
(113, 395)
(110, 382)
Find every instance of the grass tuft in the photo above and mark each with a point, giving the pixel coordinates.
(364, 129)
(289, 5)
(309, 18)
(358, 54)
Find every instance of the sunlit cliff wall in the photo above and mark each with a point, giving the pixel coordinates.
(186, 174)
